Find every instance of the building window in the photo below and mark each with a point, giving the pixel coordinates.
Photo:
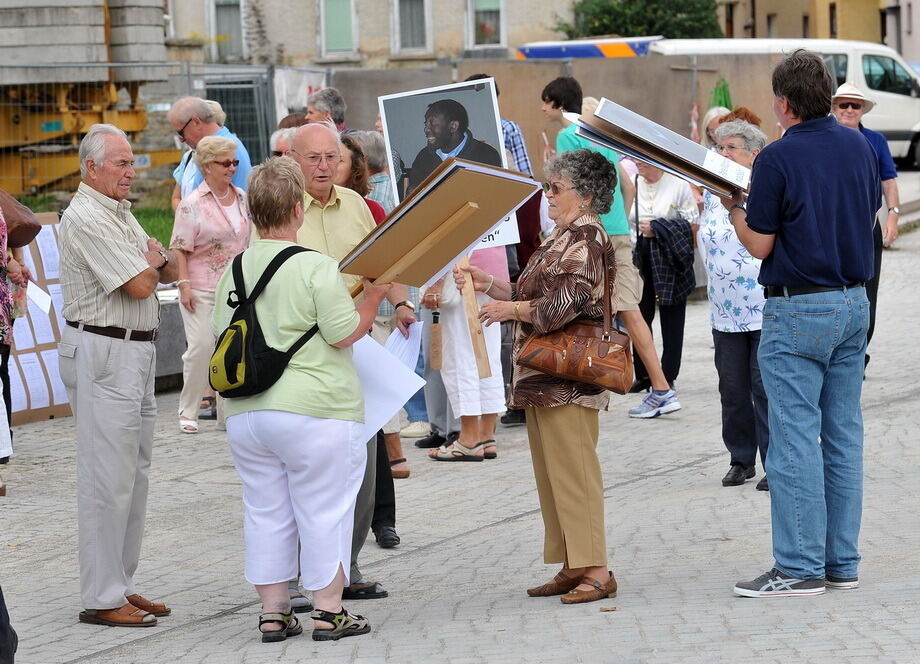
(805, 26)
(910, 18)
(832, 16)
(487, 20)
(338, 26)
(411, 26)
(729, 19)
(771, 25)
(228, 30)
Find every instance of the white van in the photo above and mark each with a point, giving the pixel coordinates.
(874, 68)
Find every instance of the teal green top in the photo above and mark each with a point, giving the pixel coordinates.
(615, 221)
(320, 380)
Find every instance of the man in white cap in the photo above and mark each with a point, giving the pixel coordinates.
(849, 104)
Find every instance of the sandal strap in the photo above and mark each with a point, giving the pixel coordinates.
(396, 461)
(283, 618)
(457, 448)
(592, 582)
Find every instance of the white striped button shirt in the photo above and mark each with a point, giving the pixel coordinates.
(102, 247)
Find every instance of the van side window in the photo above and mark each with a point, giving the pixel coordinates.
(837, 66)
(886, 75)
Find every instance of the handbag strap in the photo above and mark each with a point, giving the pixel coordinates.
(608, 317)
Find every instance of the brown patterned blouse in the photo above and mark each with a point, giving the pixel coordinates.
(563, 280)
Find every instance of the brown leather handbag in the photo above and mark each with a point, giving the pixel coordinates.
(584, 351)
(21, 224)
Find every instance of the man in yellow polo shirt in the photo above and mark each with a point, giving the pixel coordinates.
(336, 219)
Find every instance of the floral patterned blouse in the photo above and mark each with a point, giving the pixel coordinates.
(6, 295)
(735, 298)
(563, 280)
(204, 229)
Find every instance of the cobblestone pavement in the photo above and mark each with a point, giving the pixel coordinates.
(472, 537)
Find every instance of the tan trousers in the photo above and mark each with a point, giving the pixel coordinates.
(199, 341)
(563, 446)
(110, 386)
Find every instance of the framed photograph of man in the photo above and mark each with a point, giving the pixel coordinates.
(422, 128)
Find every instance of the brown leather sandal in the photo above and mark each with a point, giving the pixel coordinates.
(599, 591)
(156, 608)
(560, 585)
(124, 616)
(399, 474)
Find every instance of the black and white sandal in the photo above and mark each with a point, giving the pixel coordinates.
(290, 626)
(344, 624)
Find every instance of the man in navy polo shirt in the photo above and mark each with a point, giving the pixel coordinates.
(812, 204)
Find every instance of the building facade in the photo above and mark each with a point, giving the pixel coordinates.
(812, 19)
(901, 28)
(369, 33)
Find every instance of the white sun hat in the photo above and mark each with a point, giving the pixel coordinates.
(850, 91)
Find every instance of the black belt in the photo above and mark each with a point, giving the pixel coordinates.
(789, 291)
(117, 332)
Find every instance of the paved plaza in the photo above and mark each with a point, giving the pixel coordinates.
(472, 538)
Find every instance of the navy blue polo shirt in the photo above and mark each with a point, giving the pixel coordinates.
(817, 190)
(886, 167)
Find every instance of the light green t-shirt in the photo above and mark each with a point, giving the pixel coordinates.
(320, 380)
(615, 221)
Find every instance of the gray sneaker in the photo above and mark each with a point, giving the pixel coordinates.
(777, 584)
(654, 405)
(842, 582)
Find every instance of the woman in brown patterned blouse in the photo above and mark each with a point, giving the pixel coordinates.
(563, 280)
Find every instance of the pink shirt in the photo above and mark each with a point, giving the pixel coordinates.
(493, 260)
(205, 231)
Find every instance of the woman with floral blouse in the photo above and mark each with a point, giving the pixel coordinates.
(212, 226)
(563, 280)
(736, 311)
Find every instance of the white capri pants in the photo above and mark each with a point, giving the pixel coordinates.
(468, 393)
(301, 476)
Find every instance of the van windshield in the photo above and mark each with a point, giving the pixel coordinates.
(886, 75)
(837, 65)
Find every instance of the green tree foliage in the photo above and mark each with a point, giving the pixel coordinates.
(675, 19)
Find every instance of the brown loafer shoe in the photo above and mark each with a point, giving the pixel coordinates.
(124, 616)
(599, 591)
(156, 608)
(560, 585)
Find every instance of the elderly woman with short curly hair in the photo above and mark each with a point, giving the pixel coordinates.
(563, 280)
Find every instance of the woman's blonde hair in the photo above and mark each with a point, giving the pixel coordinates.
(210, 148)
(275, 188)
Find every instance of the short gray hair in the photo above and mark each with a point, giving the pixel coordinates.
(374, 148)
(329, 100)
(286, 134)
(191, 107)
(93, 144)
(591, 175)
(753, 138)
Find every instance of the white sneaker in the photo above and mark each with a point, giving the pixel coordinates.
(415, 430)
(654, 405)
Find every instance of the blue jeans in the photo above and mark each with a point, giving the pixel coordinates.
(811, 359)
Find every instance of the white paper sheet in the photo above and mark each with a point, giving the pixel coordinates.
(406, 349)
(58, 391)
(39, 297)
(28, 260)
(57, 298)
(387, 383)
(51, 257)
(22, 335)
(41, 325)
(35, 380)
(17, 389)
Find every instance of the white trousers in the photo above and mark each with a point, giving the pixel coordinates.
(468, 393)
(300, 478)
(110, 386)
(199, 347)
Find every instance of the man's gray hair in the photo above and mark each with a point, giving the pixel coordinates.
(329, 100)
(374, 148)
(93, 144)
(753, 138)
(191, 107)
(281, 134)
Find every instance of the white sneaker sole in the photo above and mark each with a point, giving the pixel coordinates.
(664, 410)
(745, 592)
(842, 585)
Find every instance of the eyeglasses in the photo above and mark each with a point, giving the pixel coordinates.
(850, 104)
(317, 159)
(729, 148)
(181, 132)
(278, 153)
(228, 163)
(555, 188)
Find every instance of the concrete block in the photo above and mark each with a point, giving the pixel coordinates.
(136, 16)
(39, 4)
(34, 75)
(118, 4)
(31, 55)
(141, 73)
(137, 34)
(74, 35)
(40, 16)
(139, 53)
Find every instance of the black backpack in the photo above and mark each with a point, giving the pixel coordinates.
(242, 363)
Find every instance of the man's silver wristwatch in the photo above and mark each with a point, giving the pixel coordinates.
(895, 209)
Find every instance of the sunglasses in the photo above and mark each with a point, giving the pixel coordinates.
(228, 163)
(554, 188)
(850, 104)
(181, 132)
(277, 153)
